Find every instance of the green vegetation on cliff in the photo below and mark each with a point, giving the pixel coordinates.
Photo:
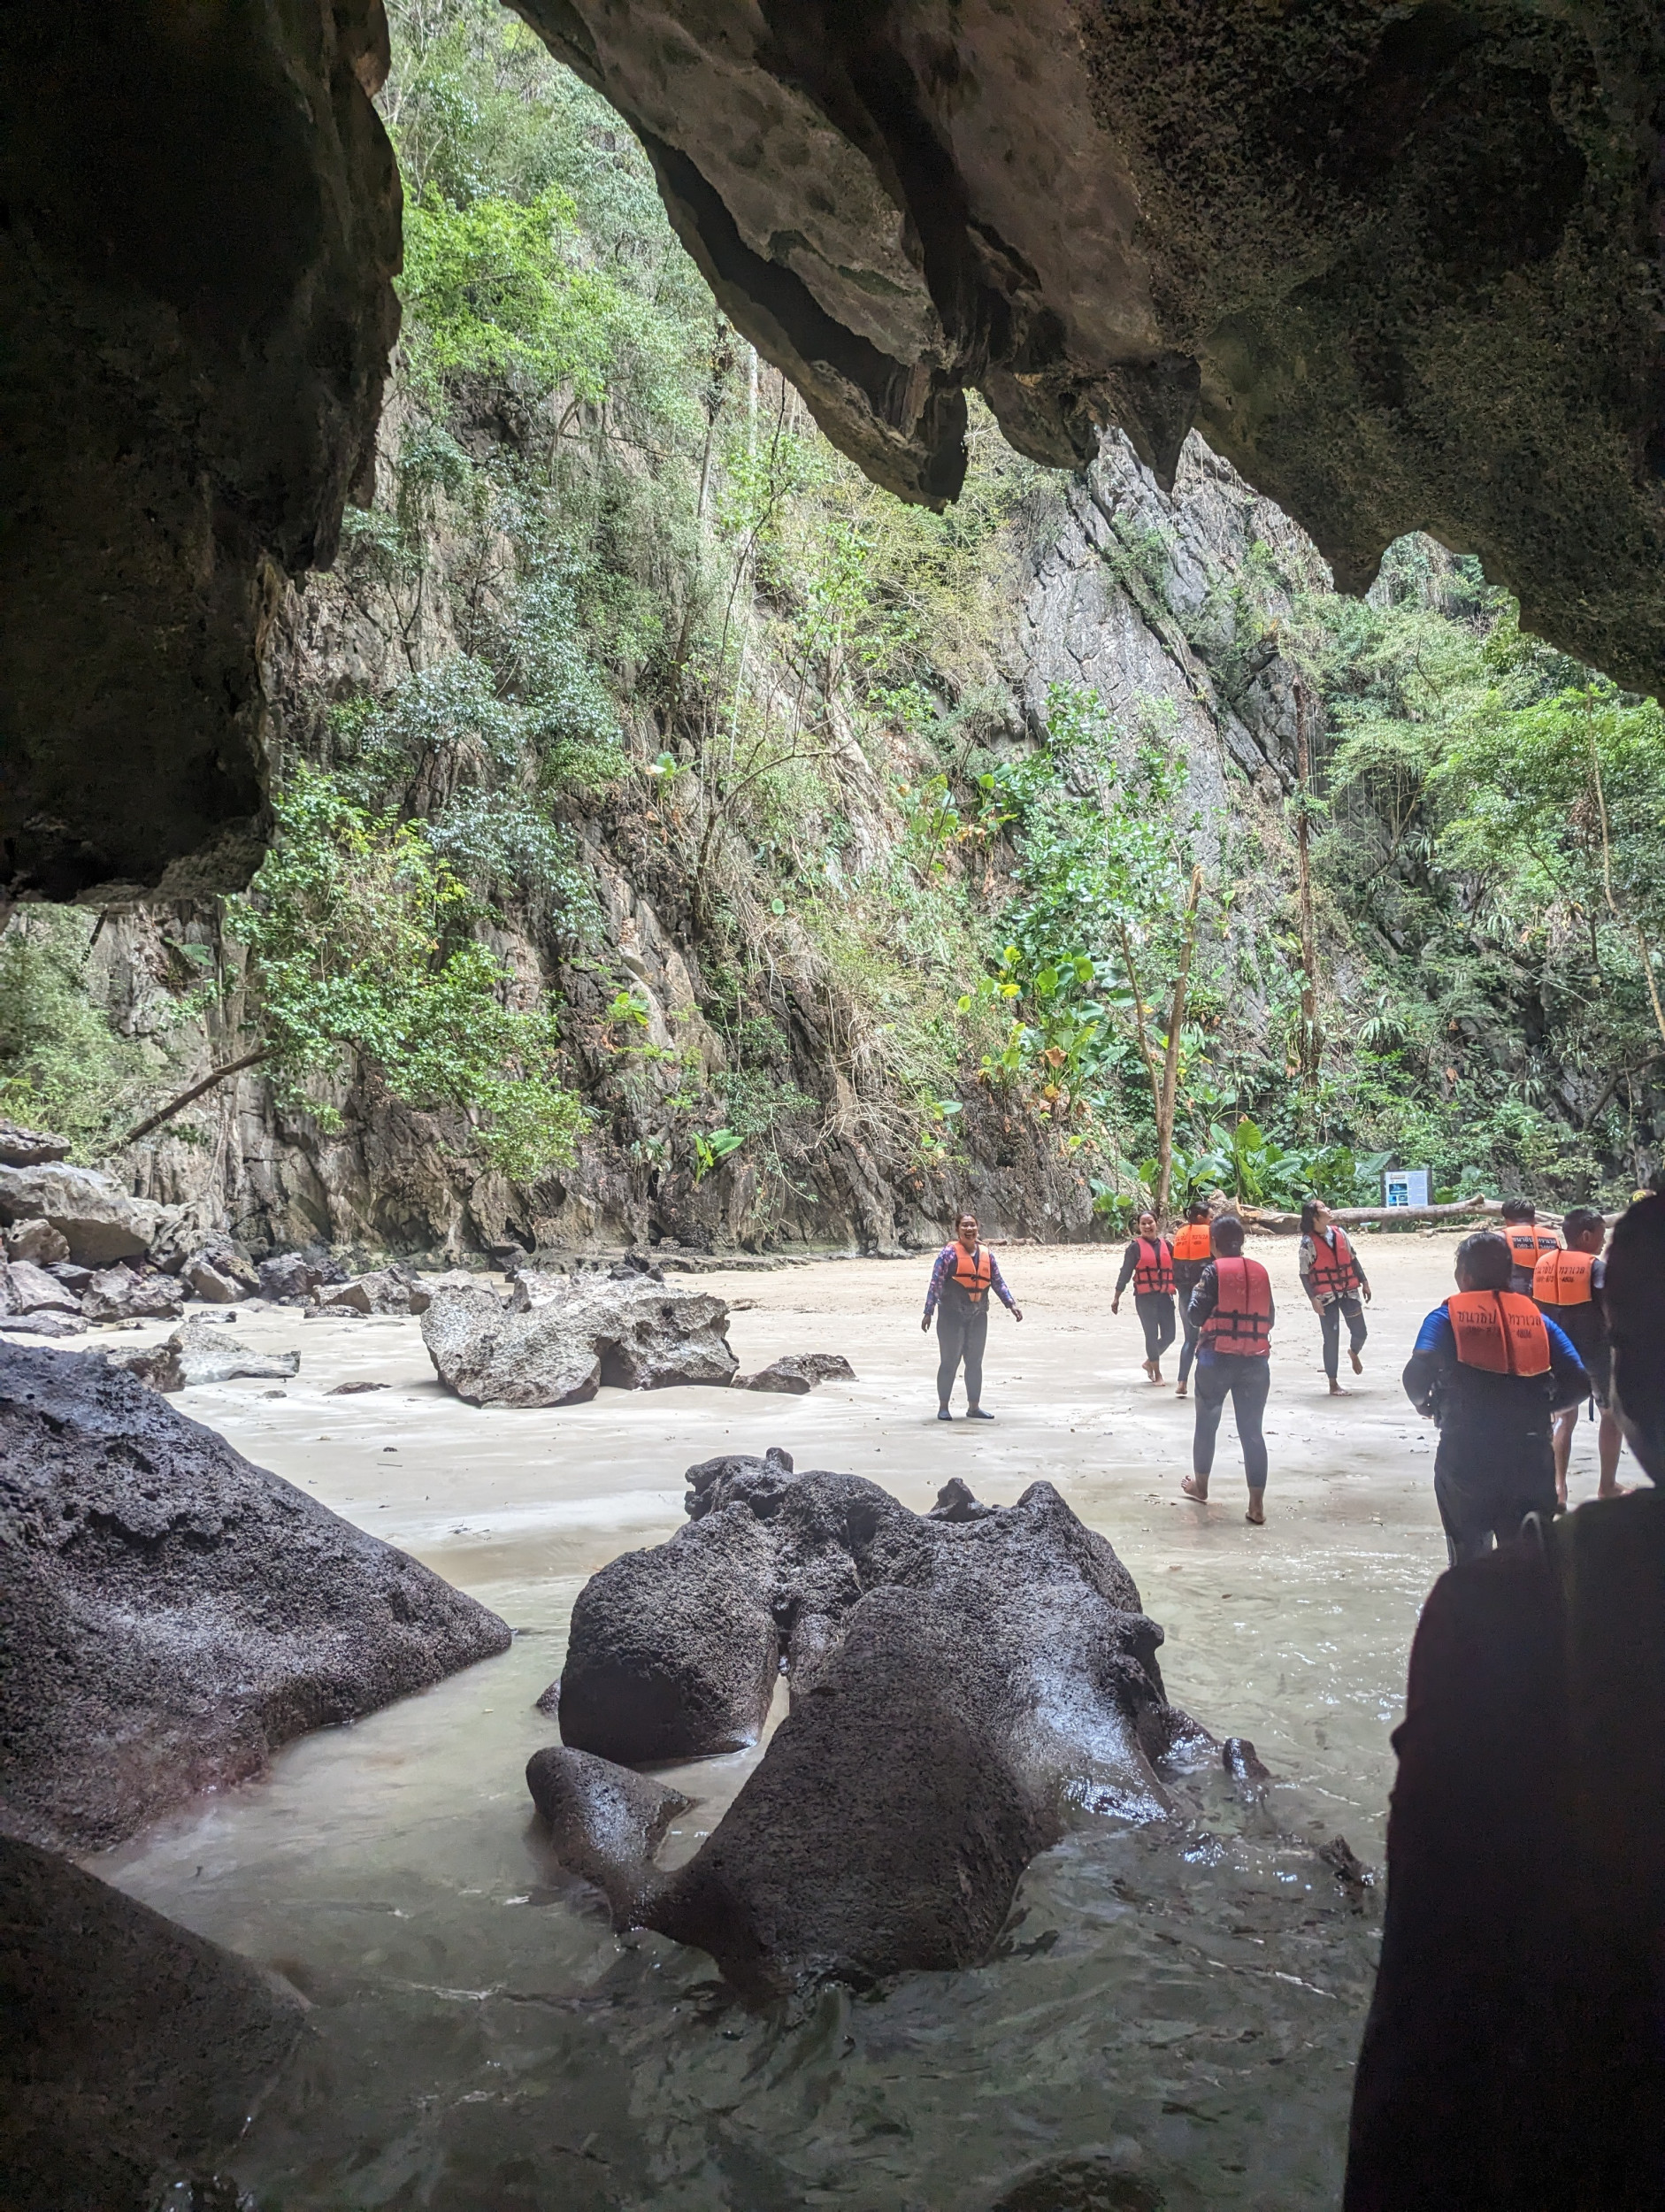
(652, 784)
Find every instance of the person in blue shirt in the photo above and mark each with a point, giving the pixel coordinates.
(1493, 1371)
(966, 1271)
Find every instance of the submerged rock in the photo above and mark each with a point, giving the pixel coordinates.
(795, 1374)
(133, 2052)
(564, 1336)
(173, 1613)
(961, 1690)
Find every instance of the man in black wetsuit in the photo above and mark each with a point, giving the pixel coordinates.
(1492, 1369)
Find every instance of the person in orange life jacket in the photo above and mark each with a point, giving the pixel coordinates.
(1490, 1369)
(1232, 1309)
(1527, 1242)
(1334, 1283)
(961, 1281)
(1567, 1287)
(1192, 1254)
(1148, 1264)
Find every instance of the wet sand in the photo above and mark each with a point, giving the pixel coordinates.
(1189, 2005)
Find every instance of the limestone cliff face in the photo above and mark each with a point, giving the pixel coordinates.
(1139, 594)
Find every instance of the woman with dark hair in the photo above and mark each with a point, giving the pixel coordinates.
(1334, 1283)
(1148, 1264)
(966, 1271)
(1231, 1310)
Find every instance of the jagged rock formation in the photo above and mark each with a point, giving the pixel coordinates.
(202, 225)
(133, 2052)
(200, 1353)
(1356, 247)
(175, 1614)
(963, 1686)
(562, 1337)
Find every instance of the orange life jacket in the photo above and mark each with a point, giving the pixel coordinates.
(973, 1271)
(1193, 1242)
(1498, 1332)
(1528, 1243)
(1241, 1322)
(1335, 1269)
(1154, 1272)
(1562, 1279)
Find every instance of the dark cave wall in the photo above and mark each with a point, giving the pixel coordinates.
(201, 227)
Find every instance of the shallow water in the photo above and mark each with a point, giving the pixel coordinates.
(1184, 1999)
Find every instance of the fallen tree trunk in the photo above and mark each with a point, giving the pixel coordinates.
(1351, 1216)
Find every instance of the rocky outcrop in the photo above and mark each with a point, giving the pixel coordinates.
(93, 1214)
(29, 1147)
(961, 1690)
(116, 1293)
(203, 1353)
(36, 1241)
(795, 1374)
(291, 1277)
(387, 1290)
(565, 1336)
(1356, 248)
(133, 2052)
(25, 1288)
(203, 230)
(175, 1614)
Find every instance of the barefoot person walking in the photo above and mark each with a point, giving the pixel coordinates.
(961, 1281)
(1232, 1308)
(1334, 1283)
(1148, 1264)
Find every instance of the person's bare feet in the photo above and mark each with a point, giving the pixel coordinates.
(1189, 1485)
(1256, 1514)
(1610, 1490)
(1358, 1365)
(1180, 1391)
(1336, 1391)
(1156, 1374)
(1150, 1370)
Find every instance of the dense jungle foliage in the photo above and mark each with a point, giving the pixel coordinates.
(632, 603)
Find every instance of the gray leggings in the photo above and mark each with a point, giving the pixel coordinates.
(1330, 1322)
(1245, 1381)
(961, 1333)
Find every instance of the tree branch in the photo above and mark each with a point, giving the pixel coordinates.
(176, 1105)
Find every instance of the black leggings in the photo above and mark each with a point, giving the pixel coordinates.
(1245, 1381)
(1188, 1344)
(961, 1333)
(1155, 1311)
(1330, 1322)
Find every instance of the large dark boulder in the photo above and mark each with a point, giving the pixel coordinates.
(131, 2052)
(173, 1614)
(962, 1688)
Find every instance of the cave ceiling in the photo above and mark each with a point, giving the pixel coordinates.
(1400, 264)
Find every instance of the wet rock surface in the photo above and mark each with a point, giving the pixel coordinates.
(795, 1374)
(133, 2051)
(562, 1337)
(961, 1689)
(1356, 248)
(175, 1613)
(201, 1352)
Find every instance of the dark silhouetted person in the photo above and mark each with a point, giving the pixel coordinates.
(1231, 1310)
(966, 1271)
(1192, 1254)
(1492, 1369)
(1148, 1264)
